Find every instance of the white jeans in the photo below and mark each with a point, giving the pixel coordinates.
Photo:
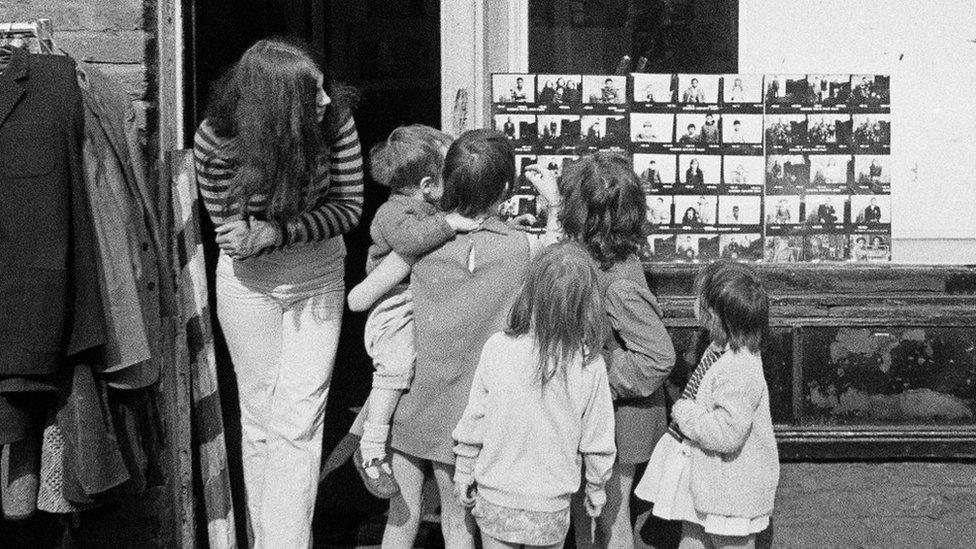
(281, 317)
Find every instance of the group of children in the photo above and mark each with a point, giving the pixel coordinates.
(567, 397)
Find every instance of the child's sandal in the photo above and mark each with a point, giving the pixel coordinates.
(383, 486)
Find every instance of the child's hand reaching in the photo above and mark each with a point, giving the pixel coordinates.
(522, 222)
(544, 181)
(465, 491)
(462, 224)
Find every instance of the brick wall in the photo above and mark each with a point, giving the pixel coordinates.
(879, 505)
(114, 35)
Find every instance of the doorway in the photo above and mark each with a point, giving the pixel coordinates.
(390, 51)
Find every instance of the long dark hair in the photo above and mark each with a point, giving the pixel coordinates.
(561, 305)
(267, 101)
(604, 207)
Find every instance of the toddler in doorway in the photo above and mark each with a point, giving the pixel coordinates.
(718, 468)
(539, 405)
(410, 162)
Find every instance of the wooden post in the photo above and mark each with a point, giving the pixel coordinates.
(177, 517)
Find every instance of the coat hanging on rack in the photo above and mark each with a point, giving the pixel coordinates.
(93, 339)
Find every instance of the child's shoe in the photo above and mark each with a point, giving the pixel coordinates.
(377, 475)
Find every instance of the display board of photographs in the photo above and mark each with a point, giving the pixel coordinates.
(724, 160)
(555, 118)
(828, 170)
(696, 141)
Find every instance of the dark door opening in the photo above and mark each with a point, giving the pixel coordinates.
(390, 51)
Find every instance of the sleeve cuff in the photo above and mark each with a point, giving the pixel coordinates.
(446, 229)
(464, 469)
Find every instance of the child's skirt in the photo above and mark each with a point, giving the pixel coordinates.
(667, 484)
(521, 526)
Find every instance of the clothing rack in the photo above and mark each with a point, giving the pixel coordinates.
(28, 33)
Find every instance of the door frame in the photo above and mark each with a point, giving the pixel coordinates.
(478, 38)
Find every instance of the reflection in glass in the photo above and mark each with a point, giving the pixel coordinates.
(890, 376)
(590, 36)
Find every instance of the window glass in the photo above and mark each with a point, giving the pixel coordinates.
(591, 36)
(889, 376)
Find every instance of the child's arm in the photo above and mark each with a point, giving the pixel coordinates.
(725, 427)
(469, 434)
(597, 443)
(412, 234)
(384, 278)
(642, 361)
(545, 182)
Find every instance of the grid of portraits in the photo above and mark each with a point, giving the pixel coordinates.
(828, 169)
(777, 168)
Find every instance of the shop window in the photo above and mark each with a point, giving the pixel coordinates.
(888, 376)
(591, 36)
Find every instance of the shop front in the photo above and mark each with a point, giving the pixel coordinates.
(853, 174)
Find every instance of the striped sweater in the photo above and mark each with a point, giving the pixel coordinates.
(338, 182)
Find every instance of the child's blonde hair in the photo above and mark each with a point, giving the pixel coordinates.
(408, 155)
(560, 304)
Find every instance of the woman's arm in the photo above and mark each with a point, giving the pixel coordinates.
(338, 210)
(382, 279)
(214, 174)
(725, 427)
(644, 356)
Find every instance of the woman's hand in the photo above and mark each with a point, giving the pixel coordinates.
(545, 182)
(242, 239)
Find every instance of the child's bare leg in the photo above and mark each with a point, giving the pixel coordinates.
(616, 519)
(613, 529)
(693, 536)
(733, 542)
(376, 428)
(457, 524)
(488, 542)
(582, 523)
(403, 518)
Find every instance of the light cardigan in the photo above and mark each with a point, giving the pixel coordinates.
(734, 461)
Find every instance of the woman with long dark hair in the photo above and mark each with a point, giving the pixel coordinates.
(280, 171)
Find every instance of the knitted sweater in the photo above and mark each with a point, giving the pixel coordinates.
(735, 463)
(524, 443)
